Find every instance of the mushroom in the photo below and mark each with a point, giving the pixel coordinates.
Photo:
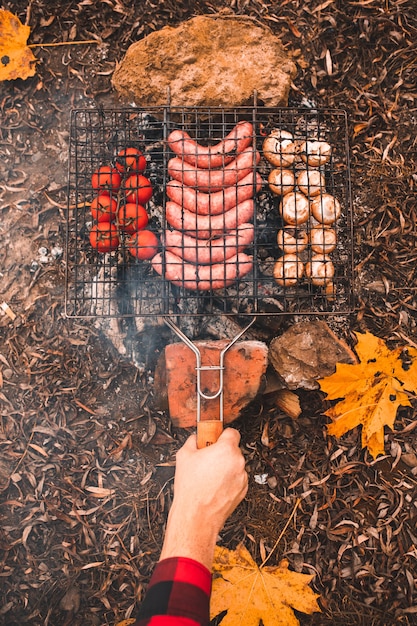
(295, 209)
(291, 240)
(323, 239)
(326, 208)
(288, 270)
(315, 153)
(320, 270)
(310, 182)
(281, 182)
(279, 148)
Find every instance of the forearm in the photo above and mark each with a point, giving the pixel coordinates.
(190, 535)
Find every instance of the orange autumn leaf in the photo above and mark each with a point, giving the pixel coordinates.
(371, 391)
(250, 593)
(126, 622)
(16, 59)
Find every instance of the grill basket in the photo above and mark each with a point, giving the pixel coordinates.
(116, 284)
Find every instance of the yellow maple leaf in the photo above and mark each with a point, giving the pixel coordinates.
(370, 391)
(16, 59)
(250, 593)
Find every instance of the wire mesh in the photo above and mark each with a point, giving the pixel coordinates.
(229, 259)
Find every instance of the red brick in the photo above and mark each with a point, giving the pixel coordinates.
(245, 363)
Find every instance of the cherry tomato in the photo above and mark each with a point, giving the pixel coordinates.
(143, 244)
(106, 177)
(130, 160)
(104, 237)
(132, 217)
(103, 208)
(138, 189)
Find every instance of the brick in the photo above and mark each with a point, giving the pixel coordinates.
(245, 364)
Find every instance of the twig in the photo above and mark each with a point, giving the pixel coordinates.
(62, 43)
(297, 504)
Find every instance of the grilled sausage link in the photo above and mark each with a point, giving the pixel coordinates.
(213, 203)
(239, 138)
(214, 180)
(206, 251)
(206, 226)
(202, 277)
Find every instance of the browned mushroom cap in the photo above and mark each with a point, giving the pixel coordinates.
(279, 148)
(323, 239)
(315, 153)
(288, 270)
(292, 240)
(311, 182)
(295, 209)
(320, 270)
(282, 134)
(281, 181)
(326, 208)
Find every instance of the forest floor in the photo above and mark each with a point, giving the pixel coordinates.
(87, 457)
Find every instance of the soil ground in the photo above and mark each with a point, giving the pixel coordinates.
(87, 458)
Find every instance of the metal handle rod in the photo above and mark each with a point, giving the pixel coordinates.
(199, 367)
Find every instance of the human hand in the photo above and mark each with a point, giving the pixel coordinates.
(209, 484)
(213, 479)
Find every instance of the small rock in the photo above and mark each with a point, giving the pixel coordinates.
(56, 252)
(207, 61)
(43, 255)
(306, 352)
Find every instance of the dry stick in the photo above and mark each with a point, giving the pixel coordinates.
(297, 504)
(62, 43)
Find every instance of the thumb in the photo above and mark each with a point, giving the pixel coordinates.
(230, 435)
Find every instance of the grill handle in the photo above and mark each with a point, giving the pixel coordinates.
(208, 431)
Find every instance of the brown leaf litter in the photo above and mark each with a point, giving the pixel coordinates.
(86, 459)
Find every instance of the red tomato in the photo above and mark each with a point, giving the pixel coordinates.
(106, 177)
(103, 208)
(138, 189)
(104, 237)
(132, 217)
(143, 244)
(130, 160)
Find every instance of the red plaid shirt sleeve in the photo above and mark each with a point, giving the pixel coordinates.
(178, 595)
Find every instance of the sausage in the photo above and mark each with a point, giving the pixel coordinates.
(206, 251)
(213, 203)
(213, 180)
(202, 277)
(206, 226)
(239, 138)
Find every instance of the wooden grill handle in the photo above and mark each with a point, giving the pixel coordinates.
(208, 432)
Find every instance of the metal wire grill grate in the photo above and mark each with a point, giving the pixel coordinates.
(116, 284)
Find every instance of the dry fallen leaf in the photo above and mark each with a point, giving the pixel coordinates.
(250, 593)
(371, 391)
(16, 59)
(126, 622)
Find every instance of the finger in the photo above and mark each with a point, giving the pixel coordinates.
(230, 434)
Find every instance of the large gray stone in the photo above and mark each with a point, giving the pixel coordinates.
(206, 61)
